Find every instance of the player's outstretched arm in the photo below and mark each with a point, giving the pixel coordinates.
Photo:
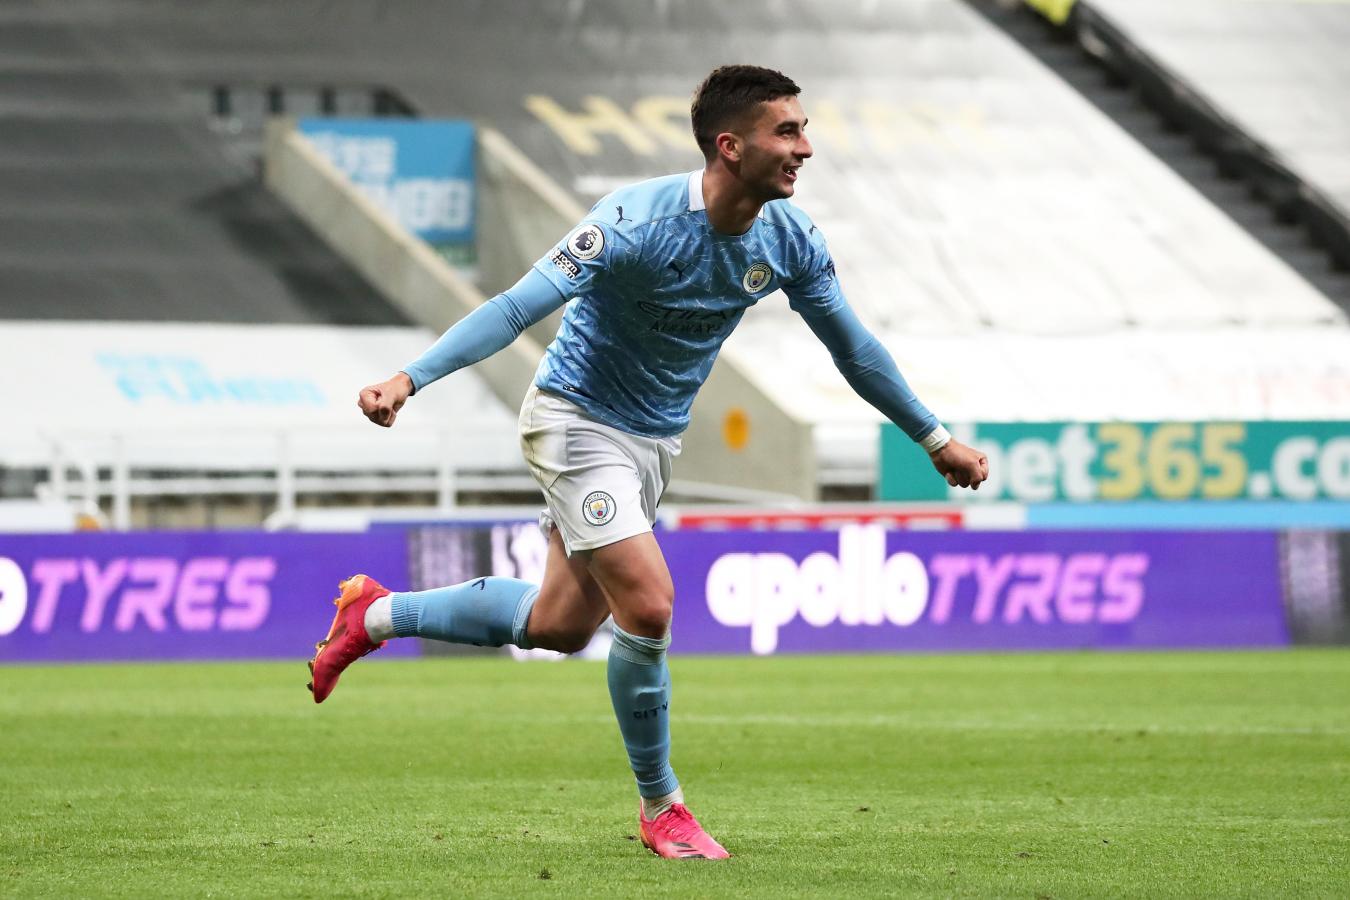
(475, 337)
(872, 373)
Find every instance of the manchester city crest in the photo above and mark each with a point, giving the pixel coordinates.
(756, 278)
(598, 508)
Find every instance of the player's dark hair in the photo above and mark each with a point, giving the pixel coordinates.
(728, 95)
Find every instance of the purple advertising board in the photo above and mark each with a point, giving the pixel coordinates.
(229, 595)
(174, 595)
(863, 588)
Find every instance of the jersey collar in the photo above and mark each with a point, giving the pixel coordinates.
(696, 193)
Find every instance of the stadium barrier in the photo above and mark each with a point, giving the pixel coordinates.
(522, 212)
(860, 588)
(232, 421)
(405, 269)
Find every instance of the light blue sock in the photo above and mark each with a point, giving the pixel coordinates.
(639, 686)
(488, 612)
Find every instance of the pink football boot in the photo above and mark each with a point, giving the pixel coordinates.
(347, 640)
(676, 834)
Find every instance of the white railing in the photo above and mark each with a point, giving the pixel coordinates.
(86, 468)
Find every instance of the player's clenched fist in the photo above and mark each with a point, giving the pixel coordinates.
(381, 402)
(962, 466)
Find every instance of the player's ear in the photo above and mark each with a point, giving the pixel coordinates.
(729, 146)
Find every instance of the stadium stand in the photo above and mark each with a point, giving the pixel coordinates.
(1198, 140)
(117, 203)
(1019, 253)
(1264, 83)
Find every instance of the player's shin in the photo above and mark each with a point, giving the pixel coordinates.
(487, 612)
(639, 686)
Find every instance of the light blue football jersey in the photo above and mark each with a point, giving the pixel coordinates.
(655, 291)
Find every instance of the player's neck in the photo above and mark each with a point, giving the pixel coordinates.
(730, 209)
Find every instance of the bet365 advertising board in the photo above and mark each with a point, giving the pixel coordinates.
(1123, 461)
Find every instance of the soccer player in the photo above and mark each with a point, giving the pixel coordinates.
(654, 278)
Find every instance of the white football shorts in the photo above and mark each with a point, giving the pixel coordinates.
(601, 484)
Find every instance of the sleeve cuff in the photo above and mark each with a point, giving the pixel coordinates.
(936, 439)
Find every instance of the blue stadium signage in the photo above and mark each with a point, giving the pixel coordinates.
(421, 172)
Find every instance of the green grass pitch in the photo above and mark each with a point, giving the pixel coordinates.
(1056, 775)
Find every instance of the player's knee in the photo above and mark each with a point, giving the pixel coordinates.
(650, 617)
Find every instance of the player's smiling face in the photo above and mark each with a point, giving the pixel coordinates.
(775, 148)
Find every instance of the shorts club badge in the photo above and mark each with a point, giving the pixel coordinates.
(598, 507)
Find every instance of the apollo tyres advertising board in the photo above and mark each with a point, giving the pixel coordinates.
(182, 595)
(859, 589)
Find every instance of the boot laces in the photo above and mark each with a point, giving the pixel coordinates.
(682, 825)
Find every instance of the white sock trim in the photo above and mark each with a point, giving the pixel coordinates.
(380, 619)
(654, 806)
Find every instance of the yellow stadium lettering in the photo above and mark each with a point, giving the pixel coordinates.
(886, 126)
(970, 122)
(827, 123)
(662, 120)
(667, 118)
(579, 130)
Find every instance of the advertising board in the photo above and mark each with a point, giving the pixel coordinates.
(421, 172)
(863, 588)
(1131, 461)
(175, 595)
